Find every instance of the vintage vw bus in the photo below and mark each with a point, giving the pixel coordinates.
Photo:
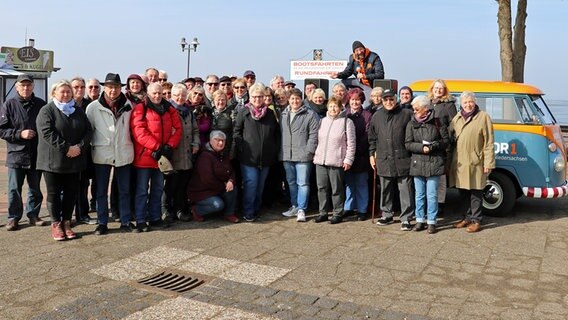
(529, 151)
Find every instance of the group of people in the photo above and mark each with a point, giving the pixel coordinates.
(187, 150)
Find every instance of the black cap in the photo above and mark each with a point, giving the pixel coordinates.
(224, 79)
(198, 79)
(24, 77)
(388, 93)
(357, 44)
(290, 83)
(188, 80)
(113, 78)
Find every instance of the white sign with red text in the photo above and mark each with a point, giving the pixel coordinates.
(300, 70)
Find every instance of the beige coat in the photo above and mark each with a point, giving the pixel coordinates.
(473, 151)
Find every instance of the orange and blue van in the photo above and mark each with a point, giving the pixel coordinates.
(529, 151)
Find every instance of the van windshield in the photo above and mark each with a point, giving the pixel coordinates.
(542, 110)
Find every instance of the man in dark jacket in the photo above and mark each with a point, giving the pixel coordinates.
(18, 127)
(391, 159)
(365, 65)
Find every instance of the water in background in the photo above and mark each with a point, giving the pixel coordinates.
(559, 109)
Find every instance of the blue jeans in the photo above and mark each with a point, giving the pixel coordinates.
(298, 177)
(102, 176)
(34, 198)
(224, 202)
(356, 191)
(148, 204)
(253, 185)
(426, 189)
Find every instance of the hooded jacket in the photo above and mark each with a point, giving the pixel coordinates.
(300, 136)
(417, 135)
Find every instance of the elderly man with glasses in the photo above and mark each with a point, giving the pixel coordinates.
(211, 85)
(93, 89)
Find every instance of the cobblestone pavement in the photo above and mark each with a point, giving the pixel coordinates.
(515, 268)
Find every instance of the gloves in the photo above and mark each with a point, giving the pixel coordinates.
(167, 151)
(157, 154)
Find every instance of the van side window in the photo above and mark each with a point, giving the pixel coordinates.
(502, 109)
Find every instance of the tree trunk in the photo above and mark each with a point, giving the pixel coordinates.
(505, 39)
(519, 47)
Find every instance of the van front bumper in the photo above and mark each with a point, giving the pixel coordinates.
(543, 193)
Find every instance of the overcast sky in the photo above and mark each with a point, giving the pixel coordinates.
(415, 39)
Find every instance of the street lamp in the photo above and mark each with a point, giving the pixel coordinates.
(188, 46)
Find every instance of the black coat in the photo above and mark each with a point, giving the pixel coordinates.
(16, 115)
(433, 131)
(386, 139)
(224, 121)
(257, 142)
(57, 133)
(445, 110)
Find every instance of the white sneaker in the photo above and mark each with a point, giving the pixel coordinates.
(301, 216)
(292, 212)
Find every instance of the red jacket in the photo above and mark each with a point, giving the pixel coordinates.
(150, 130)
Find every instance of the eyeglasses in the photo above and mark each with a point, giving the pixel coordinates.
(238, 87)
(250, 77)
(198, 93)
(257, 97)
(79, 87)
(94, 87)
(225, 84)
(212, 83)
(162, 79)
(167, 92)
(388, 99)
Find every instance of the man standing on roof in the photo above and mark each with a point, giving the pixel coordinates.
(365, 65)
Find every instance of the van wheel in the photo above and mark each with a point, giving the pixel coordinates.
(499, 195)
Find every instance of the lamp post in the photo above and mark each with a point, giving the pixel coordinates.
(189, 46)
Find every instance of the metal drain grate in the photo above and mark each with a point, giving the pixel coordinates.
(172, 281)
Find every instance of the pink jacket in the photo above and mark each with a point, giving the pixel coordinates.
(336, 142)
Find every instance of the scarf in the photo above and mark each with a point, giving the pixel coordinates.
(136, 97)
(182, 109)
(257, 113)
(361, 67)
(67, 108)
(467, 115)
(423, 119)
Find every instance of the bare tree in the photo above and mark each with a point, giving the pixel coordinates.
(513, 48)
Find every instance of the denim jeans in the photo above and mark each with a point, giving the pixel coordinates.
(224, 202)
(148, 204)
(102, 176)
(253, 185)
(426, 195)
(298, 177)
(356, 191)
(34, 198)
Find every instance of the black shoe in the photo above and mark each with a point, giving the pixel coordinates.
(405, 226)
(431, 228)
(420, 226)
(349, 213)
(128, 228)
(182, 216)
(385, 221)
(169, 217)
(143, 227)
(321, 218)
(87, 220)
(159, 224)
(101, 230)
(114, 216)
(361, 217)
(335, 219)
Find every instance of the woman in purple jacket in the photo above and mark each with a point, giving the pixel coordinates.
(334, 155)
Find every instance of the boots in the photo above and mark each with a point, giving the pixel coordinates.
(67, 229)
(56, 231)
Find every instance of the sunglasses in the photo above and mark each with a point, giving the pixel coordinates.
(388, 99)
(198, 94)
(225, 84)
(167, 92)
(238, 87)
(212, 83)
(161, 79)
(94, 87)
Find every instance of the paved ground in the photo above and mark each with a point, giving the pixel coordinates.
(516, 268)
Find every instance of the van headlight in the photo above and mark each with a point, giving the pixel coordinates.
(559, 163)
(552, 147)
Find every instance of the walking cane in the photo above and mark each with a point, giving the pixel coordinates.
(374, 195)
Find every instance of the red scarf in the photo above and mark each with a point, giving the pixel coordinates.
(362, 66)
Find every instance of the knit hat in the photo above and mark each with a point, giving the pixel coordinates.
(357, 44)
(137, 77)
